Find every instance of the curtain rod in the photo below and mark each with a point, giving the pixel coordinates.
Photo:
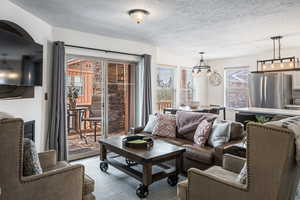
(103, 50)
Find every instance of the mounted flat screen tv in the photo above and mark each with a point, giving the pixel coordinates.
(21, 60)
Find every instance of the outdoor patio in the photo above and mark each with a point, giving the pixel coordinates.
(78, 148)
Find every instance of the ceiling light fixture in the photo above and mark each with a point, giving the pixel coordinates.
(138, 15)
(202, 66)
(214, 77)
(279, 63)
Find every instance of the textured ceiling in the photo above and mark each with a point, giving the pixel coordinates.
(222, 28)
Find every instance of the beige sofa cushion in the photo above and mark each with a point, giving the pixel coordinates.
(223, 174)
(88, 185)
(182, 190)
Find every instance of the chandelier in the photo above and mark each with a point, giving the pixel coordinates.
(279, 63)
(214, 77)
(138, 15)
(203, 66)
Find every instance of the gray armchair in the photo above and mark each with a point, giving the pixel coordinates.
(59, 180)
(272, 170)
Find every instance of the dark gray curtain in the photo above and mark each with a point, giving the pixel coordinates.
(57, 122)
(147, 92)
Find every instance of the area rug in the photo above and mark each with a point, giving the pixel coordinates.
(115, 185)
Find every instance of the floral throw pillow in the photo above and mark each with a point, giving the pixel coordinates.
(165, 126)
(202, 133)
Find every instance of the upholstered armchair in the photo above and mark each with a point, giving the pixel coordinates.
(59, 180)
(272, 170)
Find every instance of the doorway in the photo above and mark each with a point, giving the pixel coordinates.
(100, 97)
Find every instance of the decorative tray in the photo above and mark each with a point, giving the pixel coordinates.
(138, 142)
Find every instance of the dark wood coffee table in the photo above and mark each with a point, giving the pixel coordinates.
(155, 156)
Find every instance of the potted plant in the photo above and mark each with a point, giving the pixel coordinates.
(73, 94)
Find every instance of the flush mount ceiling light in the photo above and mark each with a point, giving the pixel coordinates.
(138, 15)
(279, 63)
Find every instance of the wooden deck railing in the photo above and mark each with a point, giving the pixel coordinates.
(161, 105)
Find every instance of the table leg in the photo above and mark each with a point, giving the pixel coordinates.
(142, 191)
(179, 161)
(103, 158)
(173, 180)
(103, 152)
(224, 113)
(147, 174)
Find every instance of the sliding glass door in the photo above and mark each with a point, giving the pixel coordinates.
(120, 97)
(100, 97)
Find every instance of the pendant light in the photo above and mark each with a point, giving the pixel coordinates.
(214, 78)
(279, 63)
(203, 66)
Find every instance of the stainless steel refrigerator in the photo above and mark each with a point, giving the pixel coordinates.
(270, 90)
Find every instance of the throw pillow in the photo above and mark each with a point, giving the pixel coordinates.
(31, 162)
(202, 133)
(151, 123)
(165, 126)
(242, 177)
(220, 133)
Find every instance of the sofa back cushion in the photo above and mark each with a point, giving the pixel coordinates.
(187, 122)
(236, 130)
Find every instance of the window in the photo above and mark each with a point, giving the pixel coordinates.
(186, 87)
(165, 87)
(236, 87)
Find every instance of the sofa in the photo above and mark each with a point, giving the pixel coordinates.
(196, 156)
(59, 180)
(273, 172)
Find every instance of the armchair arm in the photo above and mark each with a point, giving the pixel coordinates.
(48, 159)
(64, 183)
(136, 130)
(219, 151)
(212, 187)
(233, 163)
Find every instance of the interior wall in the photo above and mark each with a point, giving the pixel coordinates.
(43, 33)
(216, 94)
(34, 108)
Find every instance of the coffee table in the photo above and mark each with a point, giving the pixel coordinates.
(155, 156)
